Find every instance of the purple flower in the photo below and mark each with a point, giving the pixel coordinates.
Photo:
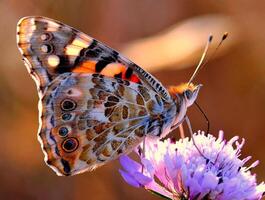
(177, 170)
(132, 173)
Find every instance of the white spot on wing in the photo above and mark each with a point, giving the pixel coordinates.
(80, 42)
(52, 26)
(98, 114)
(32, 25)
(73, 50)
(74, 92)
(53, 60)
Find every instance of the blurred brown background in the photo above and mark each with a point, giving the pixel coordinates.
(166, 37)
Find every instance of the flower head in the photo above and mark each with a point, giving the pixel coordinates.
(177, 170)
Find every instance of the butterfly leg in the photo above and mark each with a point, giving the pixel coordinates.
(181, 130)
(144, 147)
(193, 140)
(143, 154)
(177, 125)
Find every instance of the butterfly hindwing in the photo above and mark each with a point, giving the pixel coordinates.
(51, 48)
(90, 119)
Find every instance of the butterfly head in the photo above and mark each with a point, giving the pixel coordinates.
(188, 92)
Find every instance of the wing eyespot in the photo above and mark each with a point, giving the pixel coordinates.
(63, 131)
(66, 116)
(69, 145)
(68, 105)
(46, 36)
(46, 48)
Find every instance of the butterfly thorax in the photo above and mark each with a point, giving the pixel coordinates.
(183, 96)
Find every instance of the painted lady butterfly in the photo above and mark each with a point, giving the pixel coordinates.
(94, 103)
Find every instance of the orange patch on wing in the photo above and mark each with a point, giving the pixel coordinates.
(86, 67)
(113, 69)
(109, 70)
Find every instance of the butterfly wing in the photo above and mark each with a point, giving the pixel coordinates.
(89, 120)
(51, 48)
(94, 103)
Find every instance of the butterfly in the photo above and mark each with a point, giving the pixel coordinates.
(94, 104)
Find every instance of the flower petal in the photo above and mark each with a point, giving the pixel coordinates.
(142, 179)
(129, 178)
(148, 166)
(153, 186)
(210, 181)
(129, 165)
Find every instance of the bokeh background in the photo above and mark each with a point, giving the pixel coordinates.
(166, 38)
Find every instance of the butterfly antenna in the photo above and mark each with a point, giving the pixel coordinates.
(222, 40)
(216, 49)
(201, 65)
(202, 58)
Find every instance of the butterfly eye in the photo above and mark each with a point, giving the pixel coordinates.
(69, 145)
(188, 94)
(68, 105)
(63, 131)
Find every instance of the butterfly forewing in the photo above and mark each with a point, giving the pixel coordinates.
(94, 104)
(60, 48)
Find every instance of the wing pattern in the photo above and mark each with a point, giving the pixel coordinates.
(89, 120)
(94, 103)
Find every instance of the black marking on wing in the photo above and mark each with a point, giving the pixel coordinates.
(101, 65)
(154, 83)
(98, 52)
(128, 72)
(64, 65)
(90, 52)
(118, 75)
(66, 167)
